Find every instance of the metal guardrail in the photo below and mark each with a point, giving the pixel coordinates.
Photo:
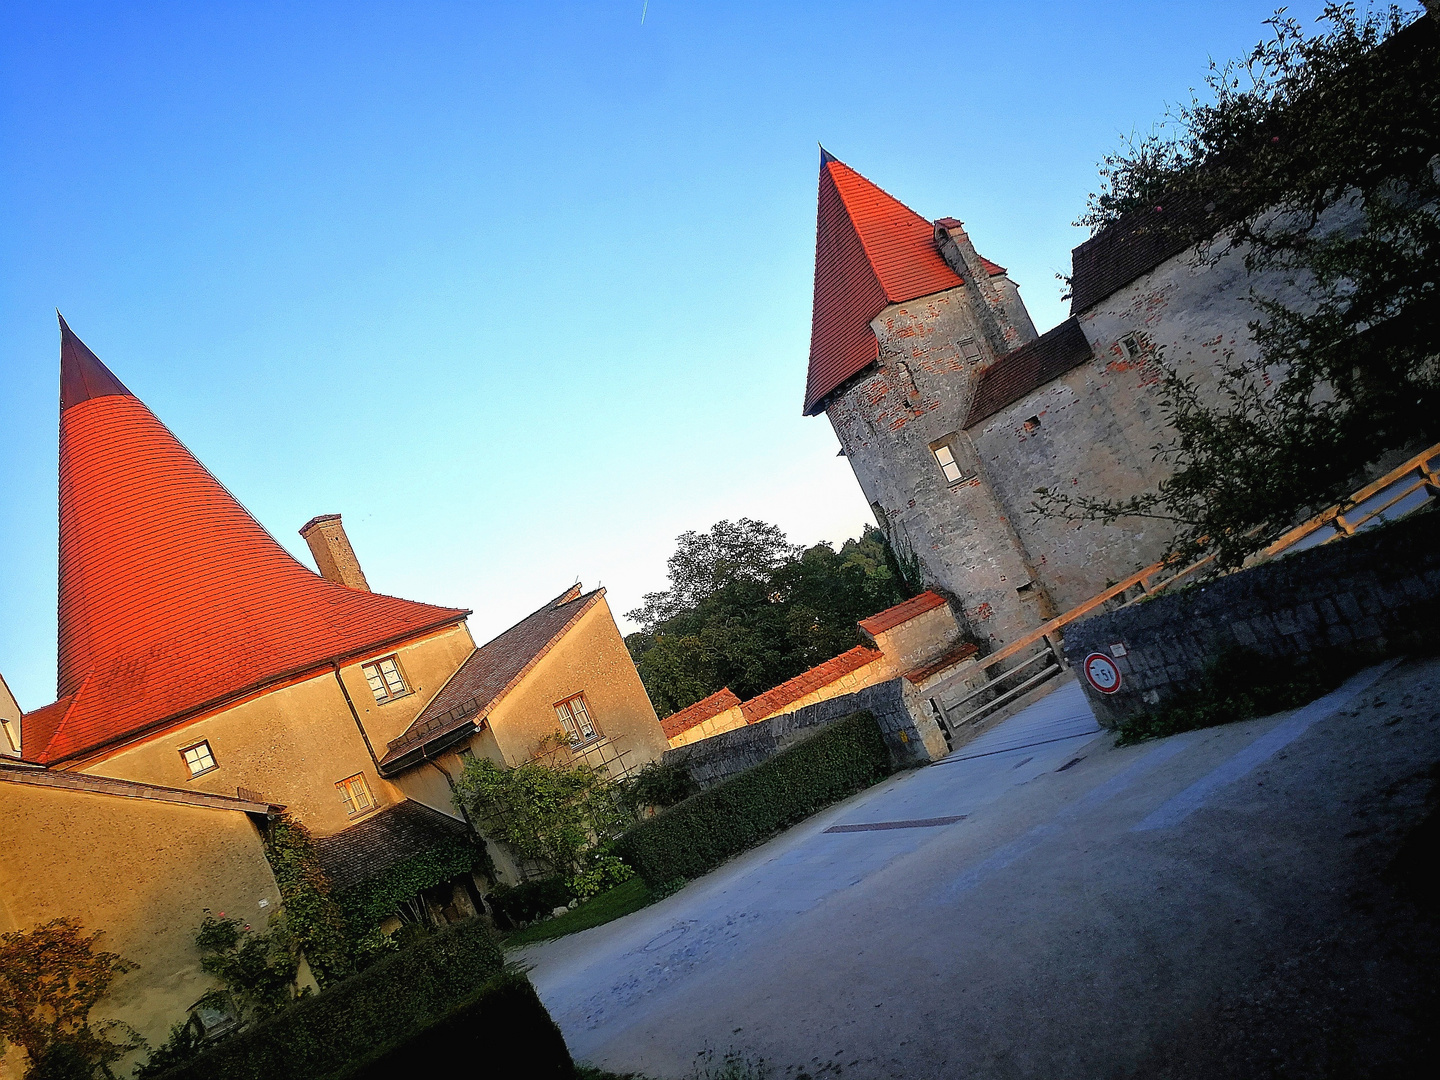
(1401, 491)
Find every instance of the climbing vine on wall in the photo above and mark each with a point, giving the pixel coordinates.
(311, 913)
(375, 900)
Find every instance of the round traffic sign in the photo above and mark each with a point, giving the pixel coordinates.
(1101, 673)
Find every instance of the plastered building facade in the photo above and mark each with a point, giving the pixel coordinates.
(209, 682)
(952, 411)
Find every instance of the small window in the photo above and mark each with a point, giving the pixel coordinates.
(385, 680)
(945, 458)
(198, 758)
(1131, 344)
(1033, 424)
(574, 716)
(355, 793)
(970, 351)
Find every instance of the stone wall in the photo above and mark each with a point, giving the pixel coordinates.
(1355, 597)
(931, 351)
(910, 741)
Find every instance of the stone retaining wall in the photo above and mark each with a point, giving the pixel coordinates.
(721, 756)
(1358, 597)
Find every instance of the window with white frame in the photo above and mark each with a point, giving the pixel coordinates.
(386, 681)
(355, 794)
(198, 758)
(949, 467)
(574, 714)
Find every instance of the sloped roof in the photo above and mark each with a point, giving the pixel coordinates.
(1027, 368)
(871, 250)
(702, 710)
(366, 850)
(807, 682)
(129, 789)
(173, 599)
(492, 670)
(1134, 245)
(902, 612)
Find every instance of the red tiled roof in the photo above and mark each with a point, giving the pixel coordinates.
(369, 848)
(698, 713)
(807, 682)
(901, 613)
(38, 728)
(1028, 368)
(173, 599)
(492, 671)
(944, 660)
(871, 250)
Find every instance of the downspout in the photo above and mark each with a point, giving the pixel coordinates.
(363, 733)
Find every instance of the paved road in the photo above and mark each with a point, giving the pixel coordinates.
(1045, 904)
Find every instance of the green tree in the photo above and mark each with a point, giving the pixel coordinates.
(789, 609)
(1314, 157)
(50, 979)
(259, 969)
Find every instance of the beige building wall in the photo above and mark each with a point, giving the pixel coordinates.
(590, 659)
(919, 639)
(142, 871)
(294, 744)
(728, 720)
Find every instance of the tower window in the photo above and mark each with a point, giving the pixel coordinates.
(1131, 344)
(949, 467)
(574, 714)
(1033, 424)
(199, 759)
(385, 680)
(355, 794)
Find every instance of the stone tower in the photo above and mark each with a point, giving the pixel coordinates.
(906, 316)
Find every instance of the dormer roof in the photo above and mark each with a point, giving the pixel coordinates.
(173, 598)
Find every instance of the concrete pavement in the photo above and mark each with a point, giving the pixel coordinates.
(1045, 904)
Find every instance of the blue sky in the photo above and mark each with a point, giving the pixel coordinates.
(522, 290)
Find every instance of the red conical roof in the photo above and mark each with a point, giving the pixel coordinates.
(173, 599)
(871, 250)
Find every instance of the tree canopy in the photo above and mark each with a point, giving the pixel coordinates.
(1316, 157)
(746, 609)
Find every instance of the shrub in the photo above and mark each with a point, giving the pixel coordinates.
(658, 784)
(50, 979)
(356, 1017)
(516, 904)
(259, 969)
(697, 835)
(504, 1022)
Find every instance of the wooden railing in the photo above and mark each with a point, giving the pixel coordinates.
(1367, 506)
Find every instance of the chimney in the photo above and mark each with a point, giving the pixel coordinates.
(333, 553)
(996, 322)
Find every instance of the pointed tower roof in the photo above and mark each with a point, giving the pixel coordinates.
(173, 599)
(871, 250)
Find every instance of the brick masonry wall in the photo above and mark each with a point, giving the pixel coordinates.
(722, 756)
(930, 352)
(1354, 595)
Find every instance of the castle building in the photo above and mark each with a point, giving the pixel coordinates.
(952, 411)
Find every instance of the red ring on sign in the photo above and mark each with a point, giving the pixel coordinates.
(1101, 672)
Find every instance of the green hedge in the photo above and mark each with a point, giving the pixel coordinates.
(357, 1017)
(697, 835)
(503, 1031)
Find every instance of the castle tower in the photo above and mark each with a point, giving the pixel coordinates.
(906, 316)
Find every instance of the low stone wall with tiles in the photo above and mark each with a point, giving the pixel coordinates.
(1362, 596)
(718, 758)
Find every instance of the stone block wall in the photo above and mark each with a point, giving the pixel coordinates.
(1356, 597)
(722, 756)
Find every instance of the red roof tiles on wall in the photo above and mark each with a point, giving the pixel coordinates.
(682, 721)
(1028, 368)
(902, 612)
(807, 682)
(172, 597)
(871, 250)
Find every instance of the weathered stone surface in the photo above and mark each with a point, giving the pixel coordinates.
(1353, 594)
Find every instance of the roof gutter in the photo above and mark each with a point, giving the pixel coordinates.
(427, 750)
